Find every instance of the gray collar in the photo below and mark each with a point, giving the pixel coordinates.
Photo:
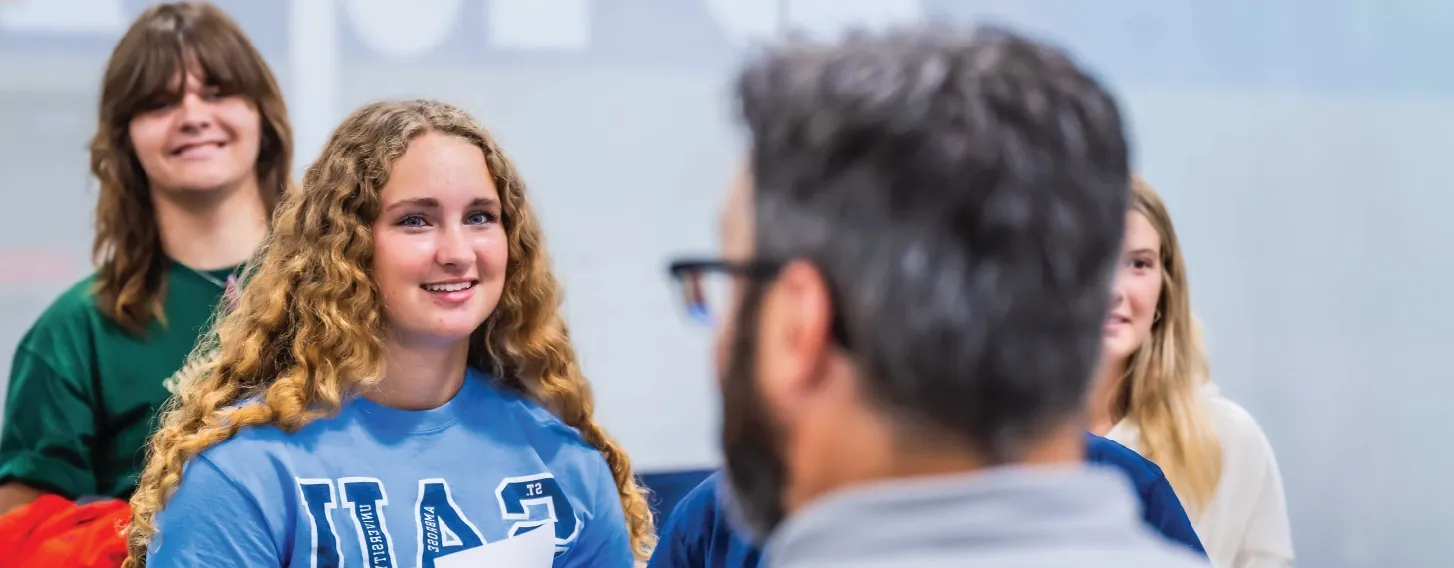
(1035, 505)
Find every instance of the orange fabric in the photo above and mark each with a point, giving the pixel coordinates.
(54, 532)
(23, 529)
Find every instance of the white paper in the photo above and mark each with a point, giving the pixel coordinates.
(535, 549)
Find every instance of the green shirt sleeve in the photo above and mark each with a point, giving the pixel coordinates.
(49, 427)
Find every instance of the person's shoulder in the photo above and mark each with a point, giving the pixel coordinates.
(251, 453)
(76, 306)
(260, 443)
(66, 331)
(249, 442)
(256, 456)
(700, 503)
(697, 532)
(539, 423)
(1237, 430)
(1110, 452)
(80, 296)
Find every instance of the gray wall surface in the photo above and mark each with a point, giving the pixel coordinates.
(1300, 145)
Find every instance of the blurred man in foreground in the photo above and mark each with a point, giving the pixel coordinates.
(919, 257)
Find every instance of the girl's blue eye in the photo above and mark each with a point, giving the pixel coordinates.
(481, 218)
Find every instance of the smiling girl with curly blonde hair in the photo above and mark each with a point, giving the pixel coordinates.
(396, 383)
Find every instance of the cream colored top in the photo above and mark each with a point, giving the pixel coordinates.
(1245, 523)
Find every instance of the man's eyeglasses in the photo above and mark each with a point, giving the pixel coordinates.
(705, 287)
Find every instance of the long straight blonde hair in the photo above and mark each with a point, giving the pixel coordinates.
(1161, 394)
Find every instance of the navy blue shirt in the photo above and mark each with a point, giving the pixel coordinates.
(697, 534)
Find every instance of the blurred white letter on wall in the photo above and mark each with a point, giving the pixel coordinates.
(403, 30)
(540, 24)
(88, 17)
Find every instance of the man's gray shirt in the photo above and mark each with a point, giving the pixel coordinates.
(1013, 517)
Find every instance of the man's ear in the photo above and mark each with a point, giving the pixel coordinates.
(794, 333)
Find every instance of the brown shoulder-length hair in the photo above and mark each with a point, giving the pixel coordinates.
(307, 333)
(142, 72)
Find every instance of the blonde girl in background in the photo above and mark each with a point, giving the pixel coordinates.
(1154, 396)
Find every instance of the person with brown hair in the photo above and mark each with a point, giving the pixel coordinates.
(192, 151)
(1155, 396)
(396, 383)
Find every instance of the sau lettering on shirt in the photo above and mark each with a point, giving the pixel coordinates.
(381, 487)
(441, 525)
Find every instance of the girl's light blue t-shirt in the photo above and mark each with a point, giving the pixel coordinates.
(381, 487)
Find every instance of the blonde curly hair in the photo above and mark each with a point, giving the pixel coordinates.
(306, 333)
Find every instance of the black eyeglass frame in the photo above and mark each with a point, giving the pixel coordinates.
(757, 269)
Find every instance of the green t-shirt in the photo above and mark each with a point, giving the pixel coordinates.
(84, 392)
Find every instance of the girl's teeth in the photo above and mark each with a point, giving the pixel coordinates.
(448, 287)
